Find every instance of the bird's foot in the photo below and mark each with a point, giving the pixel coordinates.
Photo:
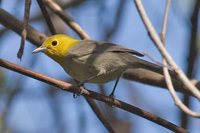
(80, 90)
(111, 100)
(112, 95)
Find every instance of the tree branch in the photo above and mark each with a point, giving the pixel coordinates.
(99, 114)
(47, 17)
(24, 31)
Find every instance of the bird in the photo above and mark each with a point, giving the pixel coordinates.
(90, 61)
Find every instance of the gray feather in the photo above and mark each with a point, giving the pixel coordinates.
(90, 47)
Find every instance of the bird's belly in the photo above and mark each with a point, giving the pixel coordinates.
(104, 78)
(92, 71)
(83, 73)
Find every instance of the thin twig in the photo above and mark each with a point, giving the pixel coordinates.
(91, 94)
(58, 10)
(164, 52)
(167, 76)
(46, 16)
(24, 31)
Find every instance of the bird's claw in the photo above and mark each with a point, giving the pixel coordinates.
(112, 95)
(79, 92)
(111, 99)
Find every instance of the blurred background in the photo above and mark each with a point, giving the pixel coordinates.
(30, 106)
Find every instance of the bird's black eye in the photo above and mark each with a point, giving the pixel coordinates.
(54, 43)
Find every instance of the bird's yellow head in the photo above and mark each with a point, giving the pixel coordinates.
(56, 46)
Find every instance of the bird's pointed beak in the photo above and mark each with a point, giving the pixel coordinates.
(39, 49)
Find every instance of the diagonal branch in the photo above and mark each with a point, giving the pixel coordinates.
(46, 16)
(99, 114)
(24, 31)
(58, 10)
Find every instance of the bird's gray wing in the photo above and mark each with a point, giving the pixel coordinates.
(86, 47)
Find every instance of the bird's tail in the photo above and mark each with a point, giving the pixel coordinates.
(140, 63)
